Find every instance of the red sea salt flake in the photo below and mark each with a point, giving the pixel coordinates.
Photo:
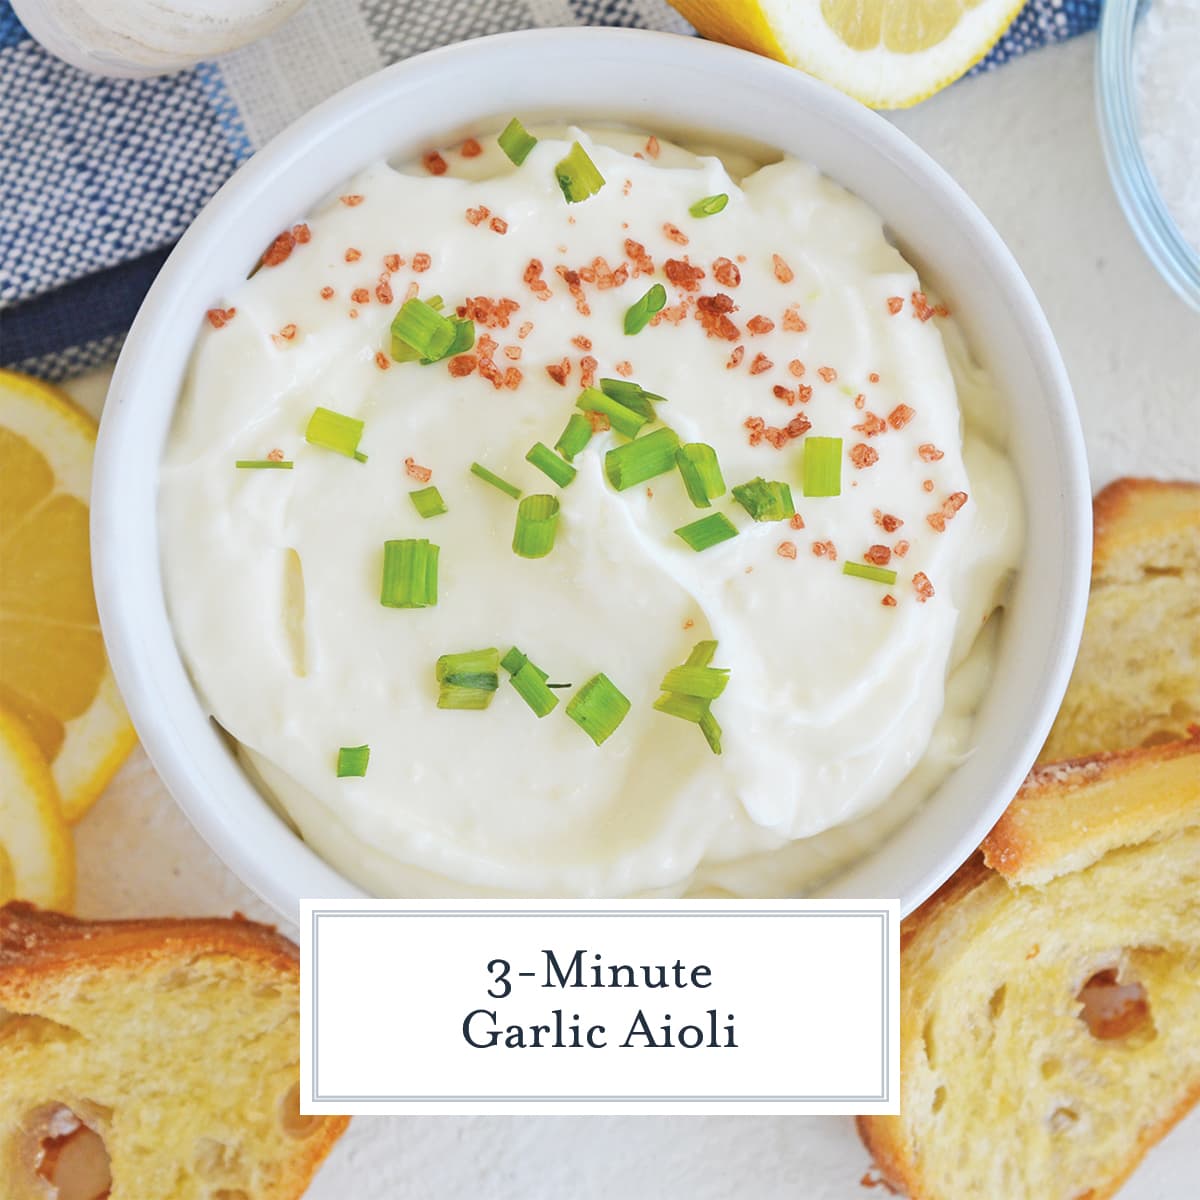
(625, 368)
(922, 586)
(498, 225)
(599, 421)
(525, 330)
(786, 550)
(757, 427)
(414, 470)
(587, 371)
(219, 317)
(940, 310)
(421, 263)
(353, 314)
(889, 601)
(921, 307)
(683, 274)
(393, 262)
(827, 373)
(352, 201)
(381, 360)
(652, 146)
(725, 272)
(560, 371)
(783, 393)
(327, 293)
(462, 364)
(760, 324)
(797, 427)
(575, 287)
(688, 623)
(862, 456)
(275, 455)
(302, 234)
(760, 364)
(712, 312)
(777, 437)
(804, 393)
(900, 416)
(352, 254)
(513, 352)
(879, 555)
(900, 549)
(887, 522)
(927, 485)
(581, 343)
(643, 264)
(783, 272)
(675, 234)
(929, 452)
(873, 377)
(871, 425)
(793, 322)
(825, 549)
(626, 188)
(894, 304)
(735, 358)
(278, 251)
(860, 401)
(360, 296)
(383, 292)
(512, 378)
(470, 149)
(413, 288)
(478, 215)
(434, 163)
(797, 521)
(673, 314)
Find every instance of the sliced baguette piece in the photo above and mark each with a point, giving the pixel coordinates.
(1137, 678)
(1050, 991)
(173, 1043)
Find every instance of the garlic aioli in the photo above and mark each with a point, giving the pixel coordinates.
(848, 699)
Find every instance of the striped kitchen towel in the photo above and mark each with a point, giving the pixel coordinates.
(99, 177)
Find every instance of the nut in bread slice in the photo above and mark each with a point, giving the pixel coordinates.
(1050, 992)
(1137, 678)
(173, 1045)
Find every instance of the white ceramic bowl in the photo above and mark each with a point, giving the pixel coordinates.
(674, 86)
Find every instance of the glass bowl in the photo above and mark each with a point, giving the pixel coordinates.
(1177, 261)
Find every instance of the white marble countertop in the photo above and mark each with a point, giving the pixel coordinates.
(1024, 144)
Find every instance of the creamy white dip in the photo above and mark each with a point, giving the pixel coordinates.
(848, 699)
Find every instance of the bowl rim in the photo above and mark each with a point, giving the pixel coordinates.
(1155, 228)
(291, 867)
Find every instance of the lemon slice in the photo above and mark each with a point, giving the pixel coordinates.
(886, 53)
(36, 852)
(54, 674)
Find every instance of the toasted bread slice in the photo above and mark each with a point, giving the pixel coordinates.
(1050, 992)
(1137, 678)
(171, 1045)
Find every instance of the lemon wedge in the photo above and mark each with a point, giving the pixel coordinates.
(37, 857)
(886, 53)
(54, 675)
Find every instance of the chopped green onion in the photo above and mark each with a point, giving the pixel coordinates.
(550, 464)
(264, 464)
(577, 175)
(575, 437)
(635, 462)
(707, 683)
(622, 418)
(537, 523)
(697, 463)
(711, 729)
(516, 141)
(481, 472)
(420, 327)
(531, 687)
(702, 654)
(598, 708)
(708, 531)
(428, 502)
(352, 761)
(410, 573)
(710, 205)
(632, 395)
(464, 337)
(866, 571)
(688, 708)
(468, 680)
(765, 500)
(335, 431)
(638, 315)
(822, 470)
(514, 660)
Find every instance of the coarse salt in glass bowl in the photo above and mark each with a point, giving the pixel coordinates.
(1148, 99)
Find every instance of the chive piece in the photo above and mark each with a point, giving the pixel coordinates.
(697, 463)
(710, 727)
(481, 472)
(822, 470)
(710, 205)
(598, 708)
(635, 462)
(622, 418)
(464, 337)
(638, 315)
(575, 437)
(708, 531)
(264, 464)
(702, 654)
(422, 328)
(537, 523)
(516, 141)
(866, 571)
(335, 431)
(632, 395)
(531, 687)
(402, 352)
(546, 461)
(706, 683)
(352, 761)
(577, 175)
(765, 500)
(410, 574)
(514, 660)
(688, 708)
(428, 502)
(468, 680)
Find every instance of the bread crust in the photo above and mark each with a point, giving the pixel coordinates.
(1134, 509)
(39, 948)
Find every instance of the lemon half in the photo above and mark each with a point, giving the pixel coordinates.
(886, 53)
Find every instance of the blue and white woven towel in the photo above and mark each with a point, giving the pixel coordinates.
(99, 177)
